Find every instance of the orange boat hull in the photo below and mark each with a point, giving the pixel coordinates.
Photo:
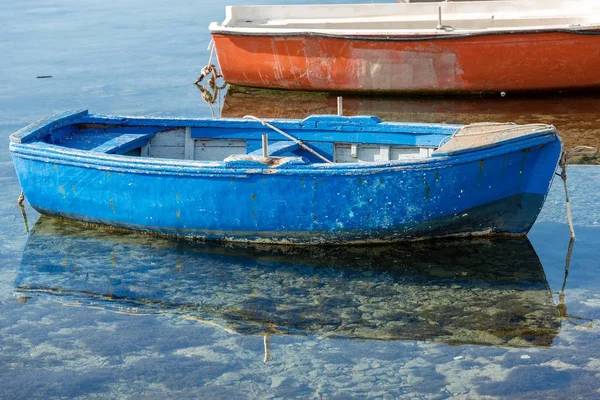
(531, 61)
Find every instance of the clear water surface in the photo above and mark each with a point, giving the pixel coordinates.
(89, 312)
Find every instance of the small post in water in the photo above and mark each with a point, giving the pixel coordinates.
(340, 105)
(267, 343)
(265, 145)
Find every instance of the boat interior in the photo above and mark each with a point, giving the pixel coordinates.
(240, 139)
(317, 139)
(462, 15)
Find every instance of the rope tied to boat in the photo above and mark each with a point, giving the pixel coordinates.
(210, 70)
(287, 135)
(20, 201)
(563, 163)
(210, 90)
(562, 307)
(210, 95)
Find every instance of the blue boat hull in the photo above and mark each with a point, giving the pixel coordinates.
(495, 191)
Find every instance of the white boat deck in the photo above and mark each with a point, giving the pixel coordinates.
(412, 18)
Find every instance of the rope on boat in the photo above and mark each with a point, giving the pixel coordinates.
(287, 135)
(23, 212)
(562, 307)
(210, 90)
(210, 95)
(210, 69)
(563, 163)
(211, 49)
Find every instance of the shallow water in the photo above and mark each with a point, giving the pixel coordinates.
(92, 312)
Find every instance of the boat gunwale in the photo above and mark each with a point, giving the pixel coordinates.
(525, 16)
(401, 35)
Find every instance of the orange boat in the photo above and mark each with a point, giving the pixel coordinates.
(446, 47)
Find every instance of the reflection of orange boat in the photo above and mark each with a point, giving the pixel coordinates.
(575, 116)
(489, 46)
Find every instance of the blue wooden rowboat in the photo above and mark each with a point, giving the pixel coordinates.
(324, 179)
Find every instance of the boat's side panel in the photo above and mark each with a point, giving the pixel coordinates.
(178, 145)
(497, 193)
(483, 63)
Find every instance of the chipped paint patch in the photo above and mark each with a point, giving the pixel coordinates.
(379, 70)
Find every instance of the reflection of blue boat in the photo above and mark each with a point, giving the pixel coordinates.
(212, 178)
(478, 291)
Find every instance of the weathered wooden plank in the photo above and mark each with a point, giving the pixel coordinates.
(175, 153)
(350, 152)
(403, 153)
(218, 150)
(170, 138)
(145, 150)
(384, 154)
(484, 135)
(178, 144)
(188, 144)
